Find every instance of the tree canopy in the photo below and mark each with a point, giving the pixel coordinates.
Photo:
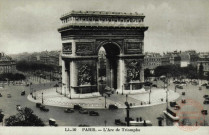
(11, 77)
(33, 66)
(24, 117)
(176, 71)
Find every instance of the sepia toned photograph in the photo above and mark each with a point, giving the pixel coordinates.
(104, 66)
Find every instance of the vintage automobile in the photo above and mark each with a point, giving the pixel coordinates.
(206, 102)
(68, 110)
(147, 83)
(172, 104)
(43, 108)
(154, 85)
(183, 101)
(52, 122)
(22, 93)
(119, 122)
(204, 112)
(205, 96)
(93, 113)
(83, 111)
(77, 107)
(38, 105)
(112, 107)
(179, 86)
(204, 84)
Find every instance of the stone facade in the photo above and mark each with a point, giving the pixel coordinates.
(152, 60)
(7, 65)
(84, 33)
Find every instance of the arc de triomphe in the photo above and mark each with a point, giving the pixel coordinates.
(83, 33)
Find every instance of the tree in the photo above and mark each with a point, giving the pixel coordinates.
(24, 117)
(208, 76)
(147, 73)
(200, 71)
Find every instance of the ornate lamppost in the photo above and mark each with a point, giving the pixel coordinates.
(42, 98)
(122, 89)
(105, 101)
(150, 94)
(126, 98)
(127, 113)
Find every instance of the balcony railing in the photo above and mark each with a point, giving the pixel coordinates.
(103, 23)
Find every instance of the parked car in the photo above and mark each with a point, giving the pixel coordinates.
(183, 101)
(93, 113)
(205, 112)
(0, 95)
(147, 83)
(43, 108)
(194, 83)
(83, 111)
(206, 96)
(22, 93)
(176, 82)
(119, 122)
(179, 86)
(52, 122)
(172, 104)
(77, 107)
(112, 107)
(130, 119)
(206, 102)
(154, 85)
(204, 84)
(68, 110)
(38, 105)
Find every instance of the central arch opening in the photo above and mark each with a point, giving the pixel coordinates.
(108, 66)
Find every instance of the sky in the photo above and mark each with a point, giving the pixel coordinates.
(31, 25)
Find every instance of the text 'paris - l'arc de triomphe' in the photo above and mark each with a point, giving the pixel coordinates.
(83, 33)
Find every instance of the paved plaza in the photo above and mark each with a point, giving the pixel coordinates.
(54, 98)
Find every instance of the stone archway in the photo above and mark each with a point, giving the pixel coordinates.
(83, 33)
(111, 62)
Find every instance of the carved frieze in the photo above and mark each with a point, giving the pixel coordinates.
(85, 48)
(133, 46)
(86, 72)
(133, 67)
(67, 48)
(84, 75)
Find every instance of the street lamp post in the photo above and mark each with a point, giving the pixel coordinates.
(127, 113)
(126, 98)
(105, 102)
(32, 92)
(105, 122)
(35, 94)
(167, 97)
(150, 94)
(42, 98)
(122, 89)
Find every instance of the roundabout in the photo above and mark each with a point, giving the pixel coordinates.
(52, 97)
